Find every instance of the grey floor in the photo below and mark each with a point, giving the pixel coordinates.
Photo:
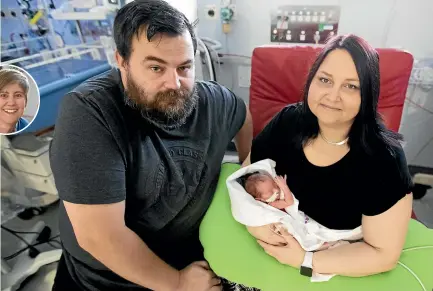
(43, 279)
(424, 209)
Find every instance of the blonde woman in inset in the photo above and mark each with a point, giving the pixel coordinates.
(14, 87)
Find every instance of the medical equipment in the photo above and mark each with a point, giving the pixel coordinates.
(417, 121)
(207, 48)
(78, 10)
(26, 265)
(57, 72)
(26, 167)
(27, 181)
(310, 24)
(27, 158)
(73, 10)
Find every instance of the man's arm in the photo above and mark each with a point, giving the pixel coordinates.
(247, 161)
(101, 231)
(384, 237)
(244, 137)
(232, 116)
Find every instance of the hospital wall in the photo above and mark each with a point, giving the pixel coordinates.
(404, 24)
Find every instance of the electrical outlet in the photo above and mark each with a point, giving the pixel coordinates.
(211, 12)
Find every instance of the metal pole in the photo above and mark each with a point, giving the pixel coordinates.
(80, 33)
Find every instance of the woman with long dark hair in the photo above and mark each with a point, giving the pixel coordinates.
(345, 167)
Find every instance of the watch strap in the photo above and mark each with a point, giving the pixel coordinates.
(307, 265)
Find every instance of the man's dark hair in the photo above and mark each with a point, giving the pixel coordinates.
(155, 16)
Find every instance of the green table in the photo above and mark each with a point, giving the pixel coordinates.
(235, 255)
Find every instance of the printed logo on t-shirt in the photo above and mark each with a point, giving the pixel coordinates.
(177, 181)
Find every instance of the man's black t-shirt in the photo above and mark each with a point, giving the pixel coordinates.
(338, 195)
(104, 151)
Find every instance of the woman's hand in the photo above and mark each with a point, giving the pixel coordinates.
(291, 254)
(266, 234)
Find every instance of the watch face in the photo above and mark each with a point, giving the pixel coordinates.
(305, 271)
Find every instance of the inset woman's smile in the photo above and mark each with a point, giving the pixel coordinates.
(10, 111)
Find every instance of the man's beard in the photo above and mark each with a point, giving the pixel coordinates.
(169, 109)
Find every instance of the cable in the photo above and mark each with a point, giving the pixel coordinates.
(17, 253)
(227, 43)
(15, 231)
(417, 248)
(54, 237)
(20, 238)
(413, 274)
(409, 270)
(43, 237)
(10, 257)
(56, 247)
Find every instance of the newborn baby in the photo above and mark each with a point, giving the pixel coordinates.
(258, 199)
(274, 192)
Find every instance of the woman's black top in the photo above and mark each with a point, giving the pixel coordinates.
(338, 195)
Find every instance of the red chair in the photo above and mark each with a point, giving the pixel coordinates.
(279, 73)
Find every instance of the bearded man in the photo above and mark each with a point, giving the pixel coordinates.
(136, 157)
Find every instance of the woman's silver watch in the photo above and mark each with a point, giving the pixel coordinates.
(307, 265)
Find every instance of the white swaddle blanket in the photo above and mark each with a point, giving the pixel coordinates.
(310, 234)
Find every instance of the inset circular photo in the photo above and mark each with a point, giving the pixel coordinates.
(19, 99)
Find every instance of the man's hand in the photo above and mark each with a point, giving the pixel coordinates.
(198, 277)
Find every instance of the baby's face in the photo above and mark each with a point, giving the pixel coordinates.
(266, 188)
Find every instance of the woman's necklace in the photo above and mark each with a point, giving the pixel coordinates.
(334, 143)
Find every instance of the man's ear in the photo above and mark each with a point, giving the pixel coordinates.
(120, 61)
